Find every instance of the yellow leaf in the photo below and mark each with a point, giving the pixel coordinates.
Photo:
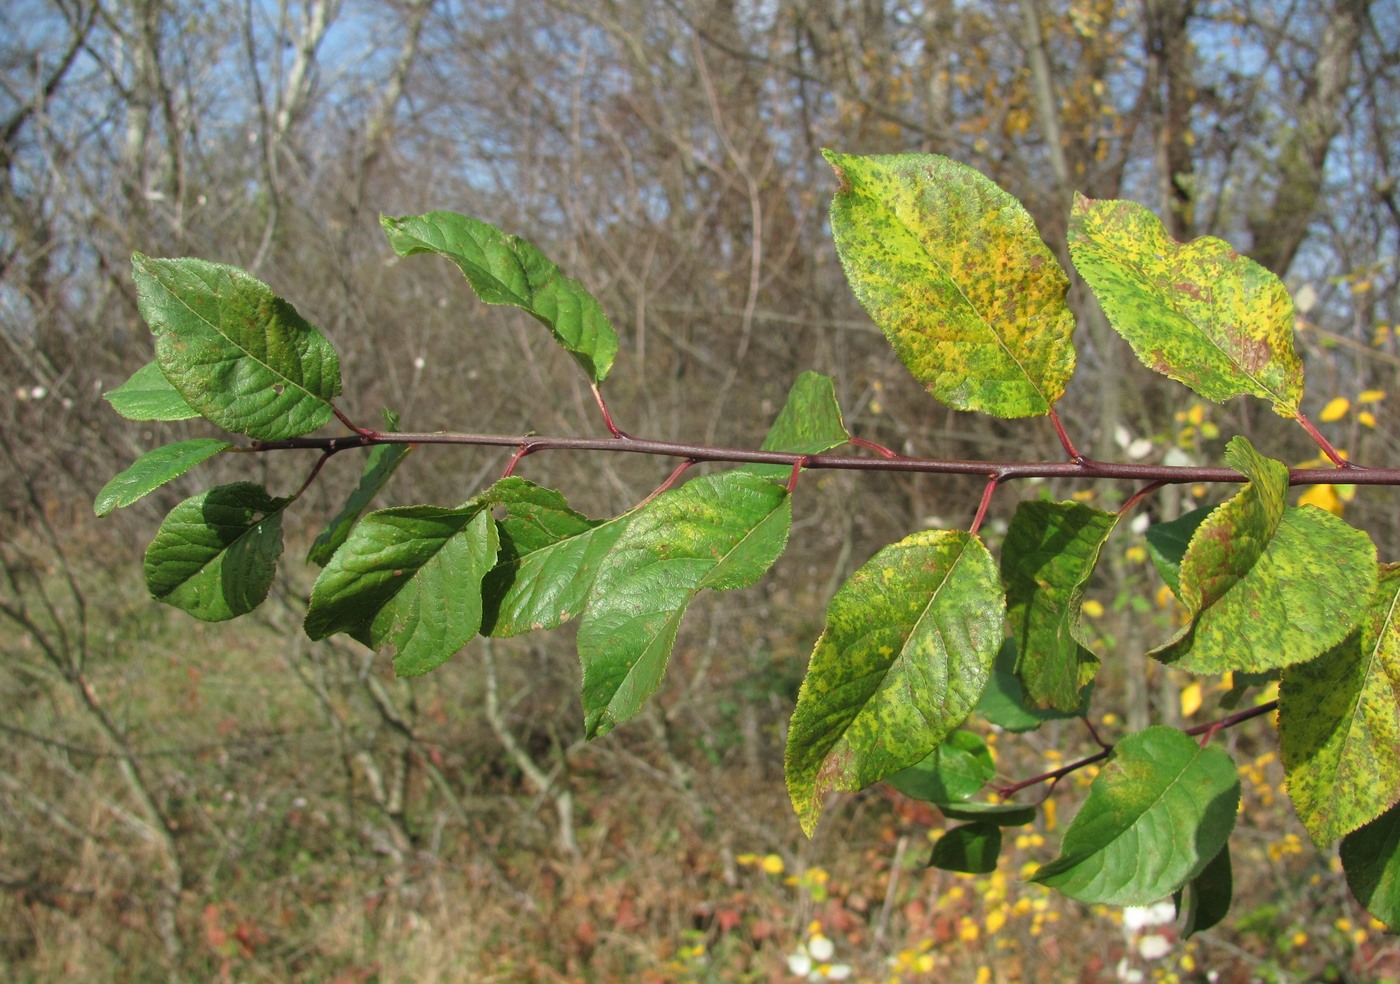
(1190, 699)
(1367, 418)
(1005, 349)
(1335, 410)
(1370, 396)
(1322, 496)
(1018, 121)
(772, 864)
(1092, 608)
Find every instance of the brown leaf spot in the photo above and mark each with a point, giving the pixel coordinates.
(843, 184)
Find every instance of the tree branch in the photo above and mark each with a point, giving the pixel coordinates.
(1001, 471)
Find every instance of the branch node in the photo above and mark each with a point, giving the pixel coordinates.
(520, 452)
(1332, 453)
(1065, 442)
(797, 467)
(1094, 734)
(364, 432)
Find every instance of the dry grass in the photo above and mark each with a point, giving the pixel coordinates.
(689, 865)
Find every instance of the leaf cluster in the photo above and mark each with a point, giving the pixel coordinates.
(929, 633)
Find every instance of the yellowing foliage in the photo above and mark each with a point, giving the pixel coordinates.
(1191, 698)
(1322, 496)
(1336, 409)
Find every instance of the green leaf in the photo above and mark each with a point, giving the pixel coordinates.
(148, 395)
(1339, 723)
(505, 269)
(1267, 586)
(551, 555)
(951, 773)
(809, 423)
(1001, 814)
(549, 558)
(952, 269)
(215, 554)
(1303, 596)
(1004, 702)
(1371, 859)
(1156, 815)
(410, 578)
(381, 463)
(971, 848)
(153, 469)
(1197, 312)
(1236, 534)
(909, 643)
(1167, 543)
(719, 532)
(1206, 899)
(1050, 553)
(235, 351)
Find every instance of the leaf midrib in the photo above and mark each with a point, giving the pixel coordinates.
(241, 289)
(967, 301)
(1129, 260)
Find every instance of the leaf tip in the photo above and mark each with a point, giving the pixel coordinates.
(597, 724)
(808, 809)
(843, 183)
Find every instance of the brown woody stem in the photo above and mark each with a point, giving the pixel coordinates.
(1003, 471)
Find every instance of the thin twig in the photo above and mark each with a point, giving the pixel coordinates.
(1333, 455)
(1065, 442)
(1210, 728)
(607, 414)
(990, 488)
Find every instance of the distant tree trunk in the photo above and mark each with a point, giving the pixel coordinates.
(1170, 96)
(1280, 229)
(1047, 104)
